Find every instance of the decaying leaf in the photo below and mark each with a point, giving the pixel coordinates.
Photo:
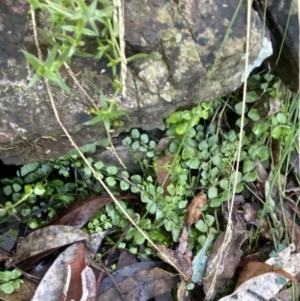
(265, 229)
(194, 209)
(161, 171)
(230, 261)
(46, 239)
(126, 258)
(80, 281)
(181, 262)
(163, 144)
(255, 268)
(267, 285)
(181, 292)
(142, 286)
(73, 284)
(126, 272)
(53, 286)
(183, 241)
(79, 213)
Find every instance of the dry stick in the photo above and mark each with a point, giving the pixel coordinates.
(113, 281)
(168, 260)
(229, 228)
(120, 7)
(112, 251)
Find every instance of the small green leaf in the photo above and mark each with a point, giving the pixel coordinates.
(250, 177)
(251, 96)
(7, 190)
(281, 118)
(7, 288)
(99, 165)
(193, 163)
(239, 108)
(248, 166)
(188, 153)
(133, 250)
(135, 145)
(112, 170)
(182, 128)
(135, 133)
(87, 171)
(212, 192)
(277, 132)
(169, 224)
(145, 224)
(39, 189)
(152, 144)
(28, 189)
(127, 141)
(138, 237)
(224, 184)
(110, 181)
(182, 204)
(213, 140)
(201, 226)
(33, 224)
(209, 220)
(124, 185)
(215, 203)
(254, 115)
(26, 169)
(203, 145)
(144, 138)
(259, 129)
(16, 187)
(214, 172)
(136, 178)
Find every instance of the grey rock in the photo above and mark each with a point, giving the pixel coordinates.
(196, 52)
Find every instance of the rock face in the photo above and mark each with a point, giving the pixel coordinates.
(196, 52)
(283, 15)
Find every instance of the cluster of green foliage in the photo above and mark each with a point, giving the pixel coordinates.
(9, 281)
(73, 26)
(204, 157)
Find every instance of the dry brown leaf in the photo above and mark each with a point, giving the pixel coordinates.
(182, 292)
(79, 213)
(181, 262)
(126, 272)
(81, 281)
(142, 286)
(194, 210)
(45, 239)
(52, 286)
(265, 229)
(183, 241)
(163, 144)
(255, 268)
(126, 258)
(250, 214)
(266, 286)
(230, 261)
(73, 287)
(161, 171)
